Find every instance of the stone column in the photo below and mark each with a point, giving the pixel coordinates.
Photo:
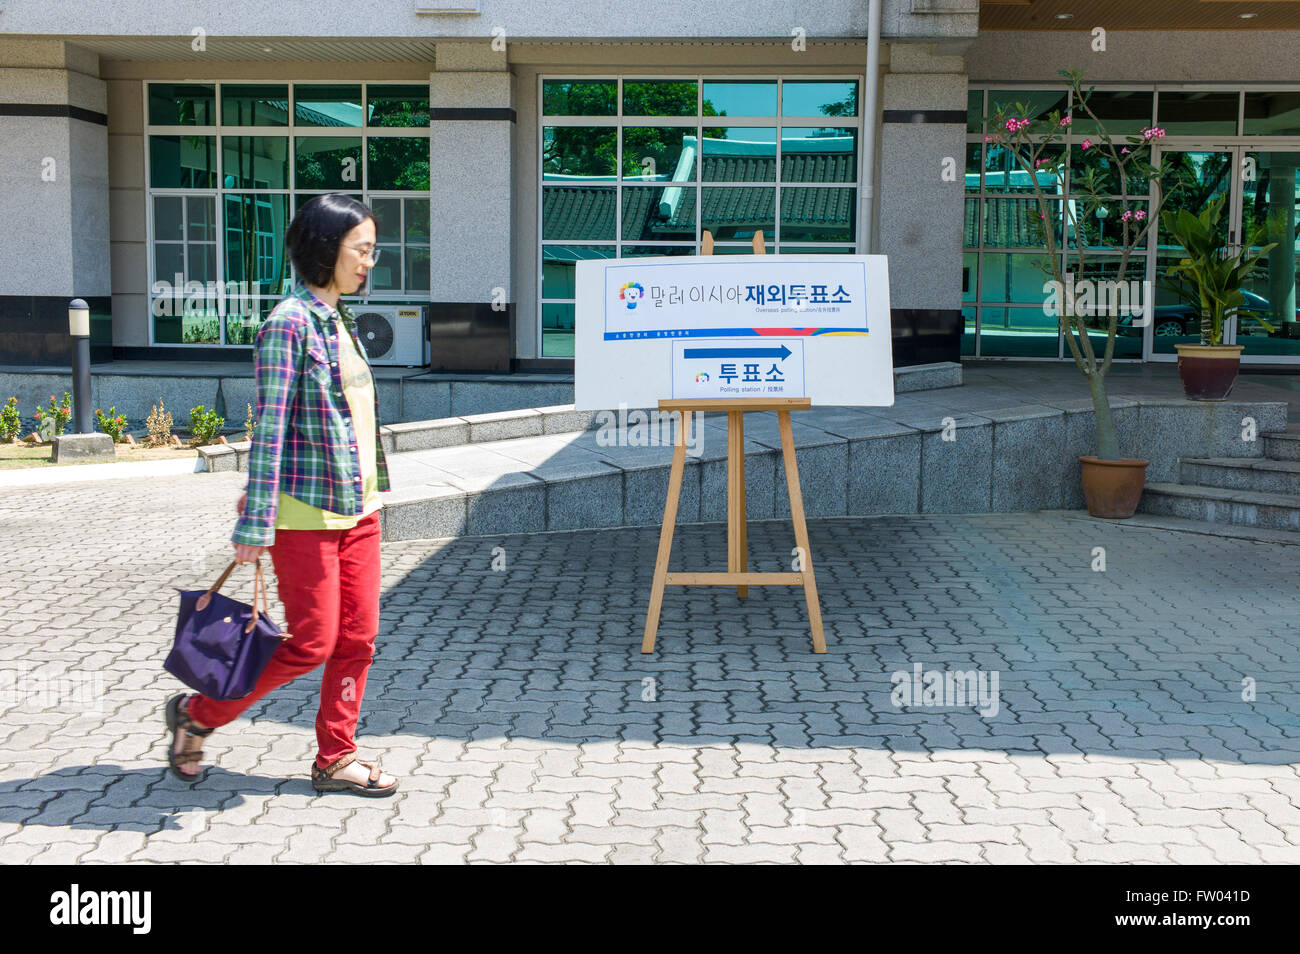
(53, 200)
(472, 127)
(920, 190)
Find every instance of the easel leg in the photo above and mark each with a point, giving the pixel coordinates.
(801, 532)
(666, 535)
(733, 494)
(742, 521)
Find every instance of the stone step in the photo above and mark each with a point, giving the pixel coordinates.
(1249, 508)
(1184, 525)
(1243, 473)
(1282, 445)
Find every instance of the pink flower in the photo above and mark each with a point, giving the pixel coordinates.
(1153, 133)
(1124, 150)
(1065, 120)
(1040, 162)
(1086, 143)
(1015, 125)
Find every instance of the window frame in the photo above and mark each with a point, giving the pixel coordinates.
(292, 131)
(619, 122)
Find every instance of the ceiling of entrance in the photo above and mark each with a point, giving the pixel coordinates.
(1140, 14)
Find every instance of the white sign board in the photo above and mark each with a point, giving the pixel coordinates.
(733, 326)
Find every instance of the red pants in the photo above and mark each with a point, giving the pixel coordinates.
(328, 581)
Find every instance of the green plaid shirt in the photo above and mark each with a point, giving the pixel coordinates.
(304, 442)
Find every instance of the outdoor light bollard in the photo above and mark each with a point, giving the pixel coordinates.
(83, 443)
(79, 329)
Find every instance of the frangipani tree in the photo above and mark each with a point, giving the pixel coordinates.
(1037, 148)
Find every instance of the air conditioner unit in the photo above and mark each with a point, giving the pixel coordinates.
(392, 334)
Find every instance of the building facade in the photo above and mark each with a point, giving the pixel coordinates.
(151, 158)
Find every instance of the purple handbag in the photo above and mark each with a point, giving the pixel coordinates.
(222, 645)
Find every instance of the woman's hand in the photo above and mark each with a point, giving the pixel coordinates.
(247, 554)
(243, 552)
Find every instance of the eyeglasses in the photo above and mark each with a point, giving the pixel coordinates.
(370, 253)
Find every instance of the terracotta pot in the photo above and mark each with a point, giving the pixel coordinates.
(1208, 371)
(1113, 487)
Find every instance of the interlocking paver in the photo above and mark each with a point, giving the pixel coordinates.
(513, 704)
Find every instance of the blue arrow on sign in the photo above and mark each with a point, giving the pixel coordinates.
(780, 353)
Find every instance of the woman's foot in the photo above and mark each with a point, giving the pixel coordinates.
(187, 739)
(348, 774)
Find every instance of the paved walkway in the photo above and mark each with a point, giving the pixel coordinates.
(527, 726)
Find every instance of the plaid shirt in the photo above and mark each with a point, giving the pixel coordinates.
(304, 442)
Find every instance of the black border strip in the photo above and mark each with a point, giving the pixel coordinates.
(475, 112)
(61, 110)
(924, 116)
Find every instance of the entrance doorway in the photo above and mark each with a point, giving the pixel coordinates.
(1261, 187)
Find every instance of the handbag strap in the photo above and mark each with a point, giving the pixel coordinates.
(259, 581)
(206, 598)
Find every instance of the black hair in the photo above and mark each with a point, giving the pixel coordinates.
(315, 232)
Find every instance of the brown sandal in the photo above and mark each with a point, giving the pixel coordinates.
(178, 720)
(323, 780)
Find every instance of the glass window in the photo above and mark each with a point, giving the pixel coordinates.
(557, 329)
(732, 213)
(327, 162)
(182, 104)
(660, 97)
(1273, 114)
(255, 227)
(739, 154)
(1123, 112)
(1018, 223)
(579, 97)
(1014, 277)
(1019, 333)
(655, 185)
(819, 98)
(644, 251)
(559, 267)
(1029, 103)
(579, 152)
(1003, 173)
(974, 160)
(183, 162)
(406, 105)
(398, 163)
(316, 104)
(254, 105)
(249, 183)
(816, 154)
(660, 153)
(663, 214)
(818, 215)
(739, 97)
(1197, 112)
(255, 162)
(575, 213)
(975, 111)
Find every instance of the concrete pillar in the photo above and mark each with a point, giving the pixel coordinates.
(471, 139)
(53, 200)
(919, 195)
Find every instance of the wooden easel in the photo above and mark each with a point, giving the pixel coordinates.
(737, 546)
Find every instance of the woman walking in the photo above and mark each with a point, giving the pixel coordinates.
(316, 469)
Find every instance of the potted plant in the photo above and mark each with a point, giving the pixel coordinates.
(1119, 180)
(1211, 279)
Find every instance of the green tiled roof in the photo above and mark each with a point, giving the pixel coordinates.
(662, 213)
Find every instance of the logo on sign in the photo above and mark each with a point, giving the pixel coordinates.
(702, 377)
(631, 293)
